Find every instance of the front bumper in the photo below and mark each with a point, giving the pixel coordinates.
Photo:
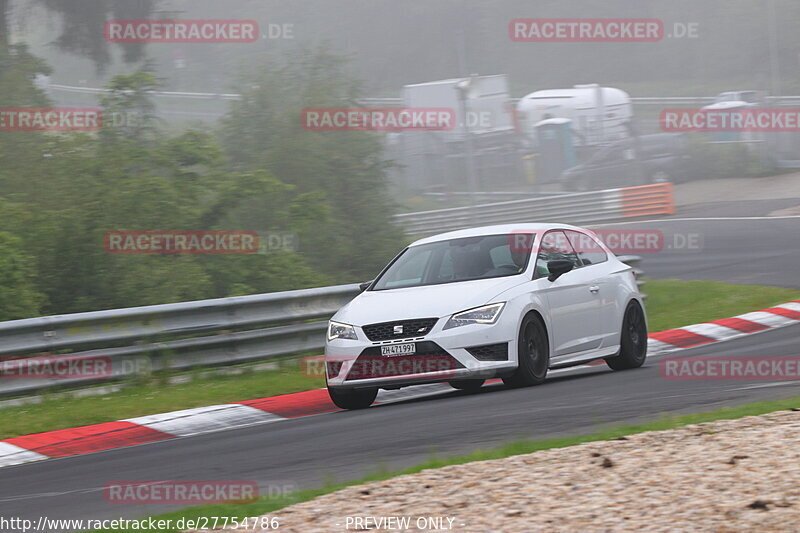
(441, 355)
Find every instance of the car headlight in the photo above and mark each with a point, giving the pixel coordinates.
(486, 314)
(337, 330)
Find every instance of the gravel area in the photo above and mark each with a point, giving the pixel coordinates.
(725, 476)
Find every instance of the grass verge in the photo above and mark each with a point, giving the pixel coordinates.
(156, 395)
(270, 504)
(673, 303)
(670, 304)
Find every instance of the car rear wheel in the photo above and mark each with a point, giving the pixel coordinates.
(469, 385)
(633, 340)
(533, 353)
(352, 398)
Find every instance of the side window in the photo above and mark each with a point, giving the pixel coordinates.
(555, 245)
(587, 248)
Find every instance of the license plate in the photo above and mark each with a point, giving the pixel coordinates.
(398, 349)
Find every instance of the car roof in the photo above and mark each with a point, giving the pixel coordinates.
(499, 229)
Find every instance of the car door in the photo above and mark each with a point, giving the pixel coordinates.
(573, 307)
(602, 285)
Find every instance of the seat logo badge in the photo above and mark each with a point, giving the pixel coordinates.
(398, 330)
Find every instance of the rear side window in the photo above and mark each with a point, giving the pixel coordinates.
(555, 245)
(587, 248)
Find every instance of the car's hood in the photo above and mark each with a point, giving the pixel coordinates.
(430, 301)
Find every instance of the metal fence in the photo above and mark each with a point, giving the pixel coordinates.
(577, 208)
(178, 336)
(182, 105)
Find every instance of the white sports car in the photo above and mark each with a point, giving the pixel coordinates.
(509, 301)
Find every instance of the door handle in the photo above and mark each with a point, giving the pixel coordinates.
(594, 289)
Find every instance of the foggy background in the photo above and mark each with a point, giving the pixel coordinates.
(395, 43)
(243, 161)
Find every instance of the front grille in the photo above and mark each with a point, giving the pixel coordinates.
(490, 352)
(430, 357)
(410, 329)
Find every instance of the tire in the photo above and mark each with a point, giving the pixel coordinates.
(533, 352)
(469, 385)
(353, 398)
(633, 340)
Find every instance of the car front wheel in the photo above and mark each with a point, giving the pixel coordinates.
(352, 398)
(633, 340)
(533, 353)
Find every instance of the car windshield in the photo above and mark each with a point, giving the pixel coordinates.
(470, 258)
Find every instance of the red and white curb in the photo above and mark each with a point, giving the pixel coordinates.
(724, 329)
(188, 422)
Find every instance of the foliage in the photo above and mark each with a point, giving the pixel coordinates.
(712, 160)
(60, 193)
(83, 22)
(18, 297)
(353, 236)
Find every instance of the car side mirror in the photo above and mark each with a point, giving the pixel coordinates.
(364, 286)
(558, 267)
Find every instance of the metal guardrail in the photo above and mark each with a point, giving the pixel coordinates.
(113, 327)
(396, 102)
(177, 336)
(577, 208)
(169, 94)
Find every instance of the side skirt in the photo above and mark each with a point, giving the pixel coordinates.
(583, 357)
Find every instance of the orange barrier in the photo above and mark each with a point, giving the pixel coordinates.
(647, 200)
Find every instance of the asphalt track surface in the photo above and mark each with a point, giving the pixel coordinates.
(735, 242)
(347, 445)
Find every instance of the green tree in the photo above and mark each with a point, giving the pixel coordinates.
(141, 178)
(354, 236)
(18, 296)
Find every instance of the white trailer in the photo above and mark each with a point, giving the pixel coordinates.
(486, 98)
(599, 115)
